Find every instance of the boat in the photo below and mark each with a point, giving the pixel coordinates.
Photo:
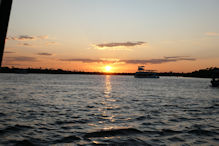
(215, 82)
(142, 73)
(215, 78)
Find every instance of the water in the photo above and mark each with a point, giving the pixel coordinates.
(42, 109)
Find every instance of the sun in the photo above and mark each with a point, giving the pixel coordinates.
(108, 68)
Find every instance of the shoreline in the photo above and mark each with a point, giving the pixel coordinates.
(203, 73)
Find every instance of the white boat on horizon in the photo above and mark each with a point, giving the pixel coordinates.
(142, 73)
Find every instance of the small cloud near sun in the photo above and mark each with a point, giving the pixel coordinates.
(44, 54)
(121, 44)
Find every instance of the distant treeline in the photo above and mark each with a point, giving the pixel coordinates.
(202, 73)
(53, 71)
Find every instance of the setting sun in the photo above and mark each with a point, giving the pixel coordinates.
(108, 68)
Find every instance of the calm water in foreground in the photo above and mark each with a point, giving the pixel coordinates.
(42, 109)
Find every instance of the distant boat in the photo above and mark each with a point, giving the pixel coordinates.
(215, 78)
(215, 82)
(142, 73)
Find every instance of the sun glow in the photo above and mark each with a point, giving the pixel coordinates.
(108, 68)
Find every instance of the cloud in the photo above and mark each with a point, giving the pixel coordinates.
(174, 57)
(43, 37)
(28, 37)
(21, 58)
(101, 60)
(161, 60)
(214, 34)
(26, 44)
(45, 54)
(118, 45)
(11, 64)
(146, 61)
(83, 60)
(9, 52)
(51, 43)
(179, 58)
(22, 38)
(125, 44)
(25, 37)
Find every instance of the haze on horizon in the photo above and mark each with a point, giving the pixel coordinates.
(170, 35)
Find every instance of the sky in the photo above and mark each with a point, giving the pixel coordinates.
(88, 35)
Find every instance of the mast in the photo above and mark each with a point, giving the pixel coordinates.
(5, 9)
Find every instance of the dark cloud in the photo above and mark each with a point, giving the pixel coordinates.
(149, 61)
(45, 54)
(11, 64)
(27, 37)
(174, 57)
(83, 60)
(103, 60)
(21, 37)
(161, 60)
(121, 44)
(26, 44)
(146, 61)
(9, 52)
(21, 58)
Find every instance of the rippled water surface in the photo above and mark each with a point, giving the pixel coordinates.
(41, 109)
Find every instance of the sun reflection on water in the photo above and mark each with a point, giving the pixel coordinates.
(108, 104)
(107, 90)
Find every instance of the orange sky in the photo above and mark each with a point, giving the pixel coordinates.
(175, 35)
